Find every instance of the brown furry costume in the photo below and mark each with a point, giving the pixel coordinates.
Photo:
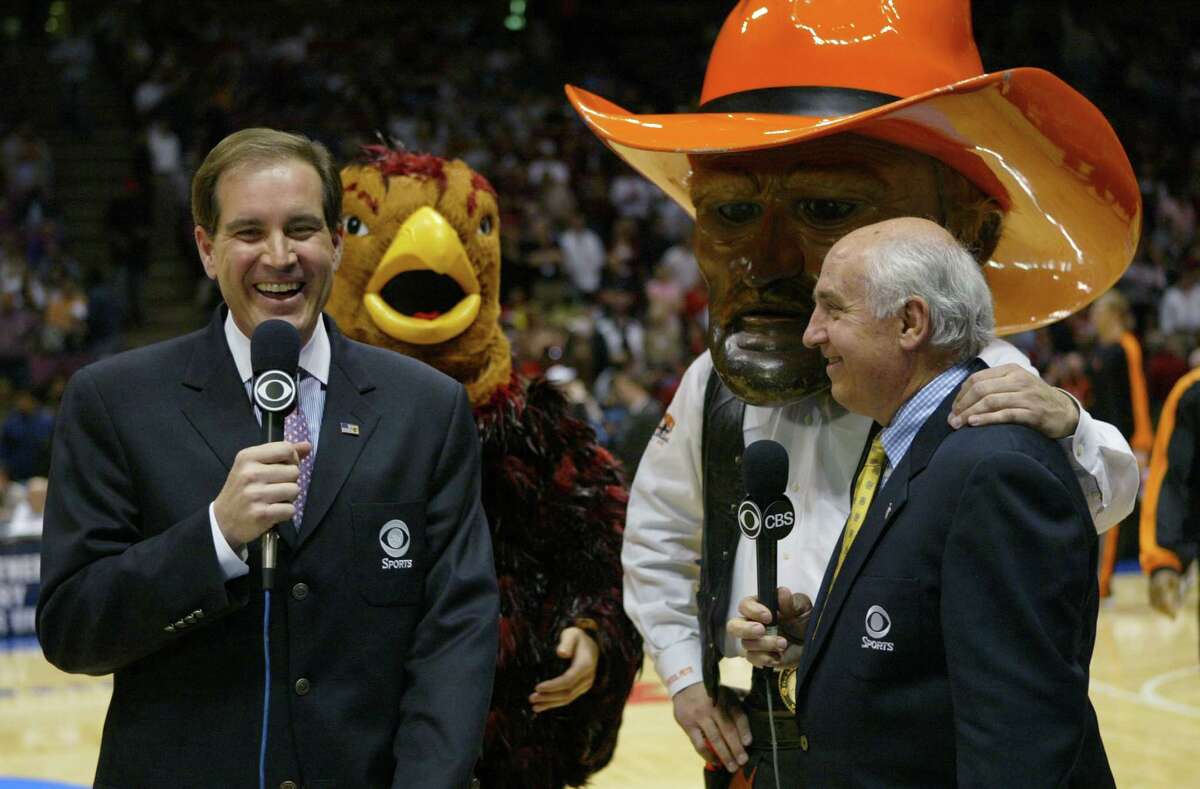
(553, 496)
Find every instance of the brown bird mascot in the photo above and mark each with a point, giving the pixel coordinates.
(421, 275)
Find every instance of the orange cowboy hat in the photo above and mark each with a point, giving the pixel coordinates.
(907, 72)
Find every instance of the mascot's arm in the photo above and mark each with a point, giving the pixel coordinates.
(585, 505)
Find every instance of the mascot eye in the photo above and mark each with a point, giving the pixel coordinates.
(825, 212)
(485, 226)
(740, 213)
(355, 226)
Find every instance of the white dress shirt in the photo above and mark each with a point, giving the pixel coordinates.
(661, 551)
(314, 360)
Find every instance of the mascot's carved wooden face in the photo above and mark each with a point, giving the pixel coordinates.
(764, 221)
(421, 269)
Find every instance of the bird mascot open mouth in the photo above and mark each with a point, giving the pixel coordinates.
(420, 275)
(424, 290)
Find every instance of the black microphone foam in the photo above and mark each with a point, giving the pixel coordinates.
(765, 471)
(275, 346)
(274, 357)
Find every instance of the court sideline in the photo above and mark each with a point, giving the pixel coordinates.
(1145, 686)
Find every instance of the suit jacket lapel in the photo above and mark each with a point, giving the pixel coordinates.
(217, 405)
(337, 452)
(888, 503)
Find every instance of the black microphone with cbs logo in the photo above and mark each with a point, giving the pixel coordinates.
(766, 515)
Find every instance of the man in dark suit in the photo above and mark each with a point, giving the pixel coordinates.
(383, 627)
(955, 623)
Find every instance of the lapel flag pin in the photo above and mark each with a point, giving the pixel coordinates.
(349, 428)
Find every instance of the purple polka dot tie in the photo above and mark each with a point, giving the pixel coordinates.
(295, 430)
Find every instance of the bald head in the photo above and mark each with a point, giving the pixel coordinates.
(910, 257)
(897, 302)
(907, 228)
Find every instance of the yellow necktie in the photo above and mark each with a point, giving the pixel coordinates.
(864, 492)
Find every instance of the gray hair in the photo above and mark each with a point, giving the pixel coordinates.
(944, 274)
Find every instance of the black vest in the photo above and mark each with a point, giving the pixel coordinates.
(721, 447)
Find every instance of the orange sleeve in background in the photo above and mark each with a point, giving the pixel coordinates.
(1151, 555)
(1143, 432)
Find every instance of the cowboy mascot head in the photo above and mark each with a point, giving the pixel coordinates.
(821, 116)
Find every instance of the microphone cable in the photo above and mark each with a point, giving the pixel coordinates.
(262, 754)
(771, 718)
(274, 390)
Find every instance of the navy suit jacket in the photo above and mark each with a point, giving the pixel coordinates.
(380, 672)
(953, 649)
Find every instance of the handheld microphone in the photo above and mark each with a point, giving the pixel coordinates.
(274, 358)
(766, 516)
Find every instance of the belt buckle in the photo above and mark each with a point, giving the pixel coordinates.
(787, 687)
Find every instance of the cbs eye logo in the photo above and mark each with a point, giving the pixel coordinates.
(395, 539)
(750, 519)
(878, 622)
(274, 391)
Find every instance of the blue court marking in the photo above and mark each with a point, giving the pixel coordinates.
(29, 783)
(16, 644)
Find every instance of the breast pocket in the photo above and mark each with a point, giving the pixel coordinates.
(883, 616)
(390, 552)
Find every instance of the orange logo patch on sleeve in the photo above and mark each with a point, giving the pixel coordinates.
(663, 431)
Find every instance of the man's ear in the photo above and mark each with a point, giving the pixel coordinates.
(915, 326)
(338, 237)
(204, 245)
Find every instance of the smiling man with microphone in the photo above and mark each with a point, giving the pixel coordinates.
(953, 629)
(362, 653)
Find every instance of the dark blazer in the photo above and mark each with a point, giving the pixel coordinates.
(380, 676)
(954, 647)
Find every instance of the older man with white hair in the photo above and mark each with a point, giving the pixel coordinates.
(961, 600)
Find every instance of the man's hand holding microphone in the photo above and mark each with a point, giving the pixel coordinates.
(262, 487)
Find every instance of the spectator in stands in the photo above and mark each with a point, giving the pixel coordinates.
(64, 321)
(664, 323)
(1175, 223)
(12, 493)
(632, 196)
(28, 166)
(129, 220)
(25, 438)
(680, 263)
(105, 311)
(547, 167)
(166, 161)
(636, 414)
(621, 270)
(1143, 284)
(157, 87)
(1119, 396)
(12, 266)
(620, 333)
(1169, 539)
(17, 340)
(582, 255)
(542, 259)
(56, 262)
(74, 54)
(26, 519)
(1166, 363)
(1180, 309)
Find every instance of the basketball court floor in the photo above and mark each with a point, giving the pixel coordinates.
(1145, 687)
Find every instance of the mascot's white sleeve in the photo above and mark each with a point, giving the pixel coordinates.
(1103, 462)
(661, 552)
